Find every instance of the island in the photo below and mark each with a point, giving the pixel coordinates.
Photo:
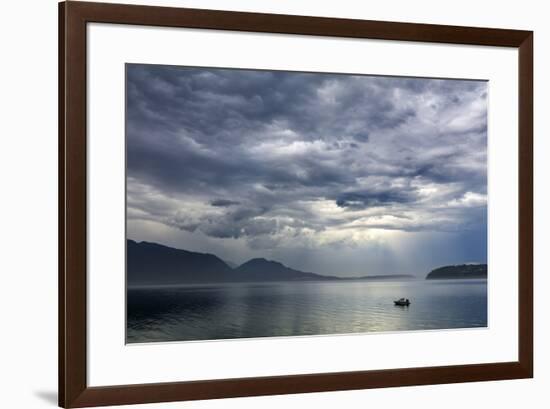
(463, 271)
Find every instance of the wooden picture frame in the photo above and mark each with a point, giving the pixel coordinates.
(73, 388)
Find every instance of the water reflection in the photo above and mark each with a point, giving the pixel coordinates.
(301, 308)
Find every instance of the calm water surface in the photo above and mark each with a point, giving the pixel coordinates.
(246, 310)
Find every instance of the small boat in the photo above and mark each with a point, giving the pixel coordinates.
(402, 302)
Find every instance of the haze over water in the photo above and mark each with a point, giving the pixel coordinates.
(248, 310)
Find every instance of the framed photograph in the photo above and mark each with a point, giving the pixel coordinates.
(255, 204)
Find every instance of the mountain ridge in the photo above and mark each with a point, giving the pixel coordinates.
(257, 268)
(150, 263)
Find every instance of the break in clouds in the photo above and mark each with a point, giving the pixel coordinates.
(339, 174)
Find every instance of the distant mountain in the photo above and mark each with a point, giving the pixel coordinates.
(464, 271)
(260, 269)
(155, 264)
(151, 263)
(382, 277)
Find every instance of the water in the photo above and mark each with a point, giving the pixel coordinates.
(249, 310)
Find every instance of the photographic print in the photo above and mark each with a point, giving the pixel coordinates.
(273, 203)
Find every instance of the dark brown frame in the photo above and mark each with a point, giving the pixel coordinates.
(73, 388)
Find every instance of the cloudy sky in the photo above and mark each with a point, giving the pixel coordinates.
(335, 174)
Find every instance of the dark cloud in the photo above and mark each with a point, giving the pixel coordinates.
(364, 199)
(279, 158)
(241, 222)
(223, 203)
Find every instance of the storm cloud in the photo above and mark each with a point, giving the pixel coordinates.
(271, 162)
